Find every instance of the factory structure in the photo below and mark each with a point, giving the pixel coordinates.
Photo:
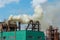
(10, 31)
(52, 33)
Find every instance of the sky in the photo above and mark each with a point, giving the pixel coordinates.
(17, 7)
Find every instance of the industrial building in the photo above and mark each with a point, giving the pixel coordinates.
(52, 34)
(8, 31)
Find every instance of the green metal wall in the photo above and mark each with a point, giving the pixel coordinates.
(18, 35)
(22, 35)
(36, 35)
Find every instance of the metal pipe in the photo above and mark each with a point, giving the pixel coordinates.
(19, 26)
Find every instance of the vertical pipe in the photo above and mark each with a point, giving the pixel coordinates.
(19, 26)
(33, 27)
(8, 26)
(38, 25)
(56, 34)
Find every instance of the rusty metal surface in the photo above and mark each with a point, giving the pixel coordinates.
(52, 34)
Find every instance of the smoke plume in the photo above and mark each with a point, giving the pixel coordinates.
(37, 16)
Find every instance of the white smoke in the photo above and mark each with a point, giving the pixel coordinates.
(51, 15)
(37, 16)
(38, 13)
(54, 13)
(25, 18)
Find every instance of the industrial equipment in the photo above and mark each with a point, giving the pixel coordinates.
(52, 33)
(8, 31)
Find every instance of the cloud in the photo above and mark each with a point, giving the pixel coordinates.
(4, 2)
(37, 2)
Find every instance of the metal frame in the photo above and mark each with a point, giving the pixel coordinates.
(35, 25)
